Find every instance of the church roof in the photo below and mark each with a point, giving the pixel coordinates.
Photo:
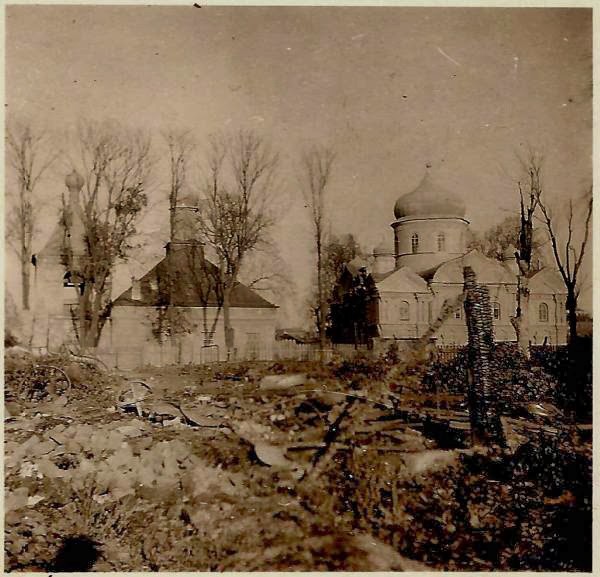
(547, 281)
(487, 270)
(356, 264)
(403, 279)
(192, 285)
(429, 199)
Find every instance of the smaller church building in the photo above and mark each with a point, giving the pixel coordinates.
(172, 314)
(423, 270)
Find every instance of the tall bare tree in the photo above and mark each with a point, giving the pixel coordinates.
(569, 254)
(180, 144)
(170, 321)
(495, 241)
(316, 168)
(115, 164)
(237, 211)
(530, 193)
(28, 158)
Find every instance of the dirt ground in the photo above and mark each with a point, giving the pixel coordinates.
(270, 466)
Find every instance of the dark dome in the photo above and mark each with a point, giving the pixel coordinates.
(429, 199)
(74, 180)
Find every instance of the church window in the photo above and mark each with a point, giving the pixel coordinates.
(458, 314)
(415, 243)
(543, 313)
(496, 311)
(404, 311)
(441, 242)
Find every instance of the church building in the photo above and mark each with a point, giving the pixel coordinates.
(424, 269)
(173, 313)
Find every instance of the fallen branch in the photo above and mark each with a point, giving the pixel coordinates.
(66, 377)
(325, 453)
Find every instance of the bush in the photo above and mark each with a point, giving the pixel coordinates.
(361, 366)
(517, 379)
(10, 340)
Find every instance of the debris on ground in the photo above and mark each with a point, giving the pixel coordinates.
(167, 469)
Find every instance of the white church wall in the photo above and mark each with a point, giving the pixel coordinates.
(454, 329)
(130, 332)
(547, 319)
(403, 314)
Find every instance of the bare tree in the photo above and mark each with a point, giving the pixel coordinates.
(180, 144)
(568, 256)
(529, 197)
(171, 322)
(497, 240)
(115, 164)
(236, 214)
(316, 167)
(28, 159)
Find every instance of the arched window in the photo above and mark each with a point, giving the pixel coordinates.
(543, 313)
(404, 311)
(458, 313)
(415, 243)
(496, 311)
(441, 241)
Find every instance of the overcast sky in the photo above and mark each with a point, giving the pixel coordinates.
(390, 89)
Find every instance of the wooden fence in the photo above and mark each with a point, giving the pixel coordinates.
(154, 354)
(290, 350)
(158, 355)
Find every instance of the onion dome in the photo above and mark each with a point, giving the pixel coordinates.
(188, 199)
(509, 252)
(383, 248)
(429, 199)
(74, 181)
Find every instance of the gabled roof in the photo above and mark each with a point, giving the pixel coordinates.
(190, 281)
(356, 264)
(402, 280)
(487, 270)
(547, 281)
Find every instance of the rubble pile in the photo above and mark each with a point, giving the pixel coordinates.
(329, 468)
(476, 510)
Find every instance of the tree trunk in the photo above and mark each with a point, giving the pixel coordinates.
(520, 321)
(575, 383)
(321, 304)
(572, 315)
(25, 282)
(229, 335)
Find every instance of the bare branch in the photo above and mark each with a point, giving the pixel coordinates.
(316, 167)
(29, 158)
(236, 213)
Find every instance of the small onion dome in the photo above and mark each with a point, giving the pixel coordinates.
(429, 199)
(74, 181)
(509, 252)
(383, 249)
(188, 199)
